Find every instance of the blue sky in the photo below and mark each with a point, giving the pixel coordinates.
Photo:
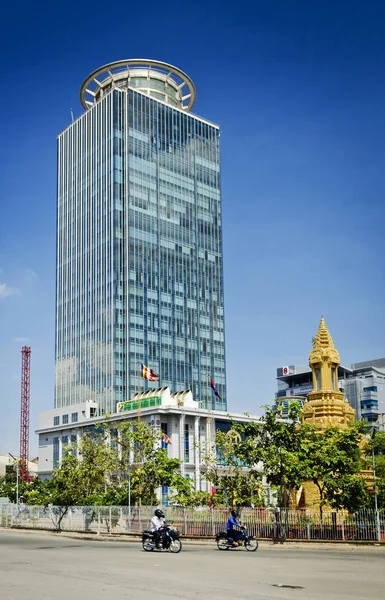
(299, 91)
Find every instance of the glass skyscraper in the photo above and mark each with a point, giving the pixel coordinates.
(139, 241)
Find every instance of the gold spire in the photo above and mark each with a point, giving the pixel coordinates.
(323, 346)
(326, 406)
(323, 337)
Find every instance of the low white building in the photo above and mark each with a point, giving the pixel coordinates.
(188, 427)
(6, 460)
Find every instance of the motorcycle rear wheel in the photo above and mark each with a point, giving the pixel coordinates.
(222, 544)
(175, 546)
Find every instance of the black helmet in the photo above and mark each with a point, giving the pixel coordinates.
(234, 513)
(159, 513)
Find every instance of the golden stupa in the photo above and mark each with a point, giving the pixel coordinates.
(326, 406)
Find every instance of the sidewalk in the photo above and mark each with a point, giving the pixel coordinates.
(265, 544)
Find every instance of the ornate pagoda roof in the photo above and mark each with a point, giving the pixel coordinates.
(323, 346)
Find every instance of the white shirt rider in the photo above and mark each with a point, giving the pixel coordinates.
(157, 523)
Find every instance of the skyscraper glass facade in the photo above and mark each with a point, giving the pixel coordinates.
(139, 253)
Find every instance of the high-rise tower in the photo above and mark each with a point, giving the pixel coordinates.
(139, 240)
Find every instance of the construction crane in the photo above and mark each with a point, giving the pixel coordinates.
(24, 412)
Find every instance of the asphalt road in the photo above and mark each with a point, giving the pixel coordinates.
(49, 567)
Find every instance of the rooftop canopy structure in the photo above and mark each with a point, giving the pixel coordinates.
(154, 78)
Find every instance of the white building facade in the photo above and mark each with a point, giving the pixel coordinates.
(190, 428)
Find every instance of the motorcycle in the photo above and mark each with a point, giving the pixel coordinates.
(225, 542)
(169, 540)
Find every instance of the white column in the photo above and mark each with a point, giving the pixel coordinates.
(155, 421)
(197, 454)
(210, 439)
(181, 442)
(60, 448)
(120, 448)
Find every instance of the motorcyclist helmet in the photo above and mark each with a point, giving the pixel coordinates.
(234, 514)
(159, 513)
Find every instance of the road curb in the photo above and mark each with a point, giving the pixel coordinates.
(201, 541)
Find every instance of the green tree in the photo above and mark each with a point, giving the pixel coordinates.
(148, 463)
(376, 442)
(98, 473)
(331, 459)
(192, 499)
(235, 482)
(376, 445)
(78, 481)
(276, 443)
(8, 489)
(381, 493)
(347, 492)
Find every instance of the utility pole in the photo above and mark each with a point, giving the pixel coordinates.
(128, 448)
(375, 493)
(374, 431)
(17, 479)
(129, 490)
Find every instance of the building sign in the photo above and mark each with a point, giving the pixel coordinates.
(285, 370)
(301, 390)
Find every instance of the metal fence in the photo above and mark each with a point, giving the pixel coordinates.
(200, 522)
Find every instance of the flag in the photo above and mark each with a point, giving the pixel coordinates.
(212, 384)
(149, 374)
(166, 439)
(213, 492)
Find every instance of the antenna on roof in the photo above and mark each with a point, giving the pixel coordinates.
(72, 115)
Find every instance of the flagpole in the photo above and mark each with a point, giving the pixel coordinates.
(139, 445)
(139, 373)
(208, 417)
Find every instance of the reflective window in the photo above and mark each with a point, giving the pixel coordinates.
(186, 443)
(74, 445)
(55, 452)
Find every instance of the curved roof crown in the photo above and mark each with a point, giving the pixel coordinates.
(157, 79)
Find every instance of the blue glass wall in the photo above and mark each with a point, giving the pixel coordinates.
(140, 270)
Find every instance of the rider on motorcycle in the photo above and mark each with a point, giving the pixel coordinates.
(233, 528)
(157, 526)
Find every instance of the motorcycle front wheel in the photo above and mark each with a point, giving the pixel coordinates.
(251, 545)
(147, 545)
(175, 546)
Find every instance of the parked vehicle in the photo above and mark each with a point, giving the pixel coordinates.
(225, 542)
(169, 540)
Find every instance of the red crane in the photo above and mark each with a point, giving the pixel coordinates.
(24, 412)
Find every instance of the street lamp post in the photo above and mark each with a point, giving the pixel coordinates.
(378, 526)
(17, 479)
(375, 495)
(129, 489)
